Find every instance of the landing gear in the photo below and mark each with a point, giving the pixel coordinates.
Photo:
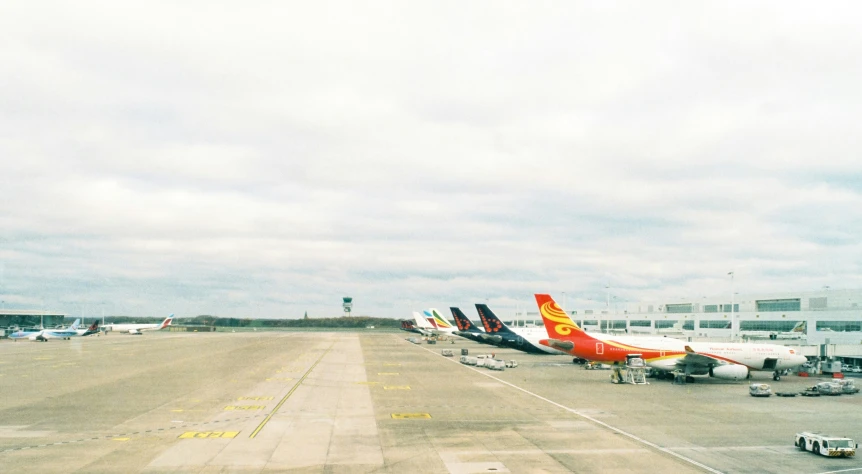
(689, 379)
(776, 376)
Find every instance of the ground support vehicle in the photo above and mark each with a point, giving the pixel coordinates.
(819, 443)
(759, 390)
(847, 386)
(829, 388)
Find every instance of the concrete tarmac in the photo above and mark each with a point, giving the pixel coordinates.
(373, 402)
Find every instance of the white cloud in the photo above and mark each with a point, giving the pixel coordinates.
(270, 158)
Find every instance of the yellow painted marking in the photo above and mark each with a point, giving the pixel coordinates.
(387, 373)
(208, 434)
(244, 407)
(391, 365)
(279, 379)
(396, 387)
(195, 400)
(42, 358)
(295, 386)
(255, 398)
(407, 416)
(121, 439)
(177, 411)
(367, 383)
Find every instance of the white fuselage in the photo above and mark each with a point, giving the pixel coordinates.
(664, 352)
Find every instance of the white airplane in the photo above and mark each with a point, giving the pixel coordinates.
(136, 328)
(797, 332)
(422, 325)
(726, 360)
(42, 335)
(439, 323)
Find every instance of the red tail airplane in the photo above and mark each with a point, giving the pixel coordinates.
(724, 360)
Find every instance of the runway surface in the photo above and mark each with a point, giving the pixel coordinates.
(373, 402)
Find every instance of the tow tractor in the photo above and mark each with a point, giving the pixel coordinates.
(832, 446)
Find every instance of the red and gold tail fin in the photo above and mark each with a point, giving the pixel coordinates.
(558, 324)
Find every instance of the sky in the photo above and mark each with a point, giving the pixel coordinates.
(265, 159)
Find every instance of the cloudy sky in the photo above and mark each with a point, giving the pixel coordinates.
(267, 158)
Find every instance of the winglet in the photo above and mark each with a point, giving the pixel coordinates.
(689, 350)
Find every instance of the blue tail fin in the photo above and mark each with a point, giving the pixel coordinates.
(493, 324)
(463, 323)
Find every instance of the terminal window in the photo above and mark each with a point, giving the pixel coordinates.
(715, 324)
(793, 304)
(644, 323)
(688, 326)
(773, 326)
(679, 308)
(666, 323)
(614, 324)
(839, 326)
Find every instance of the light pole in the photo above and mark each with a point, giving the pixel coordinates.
(733, 328)
(608, 303)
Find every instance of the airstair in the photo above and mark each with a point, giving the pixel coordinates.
(635, 370)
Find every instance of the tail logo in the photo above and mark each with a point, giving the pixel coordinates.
(564, 325)
(461, 325)
(491, 326)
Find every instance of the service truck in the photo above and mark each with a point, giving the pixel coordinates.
(819, 443)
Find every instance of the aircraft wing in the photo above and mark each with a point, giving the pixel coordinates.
(695, 359)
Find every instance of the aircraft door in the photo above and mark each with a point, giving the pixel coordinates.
(769, 364)
(519, 341)
(600, 348)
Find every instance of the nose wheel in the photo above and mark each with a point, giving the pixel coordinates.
(776, 376)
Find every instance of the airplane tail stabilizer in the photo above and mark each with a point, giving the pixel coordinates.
(558, 324)
(493, 324)
(439, 319)
(167, 321)
(463, 322)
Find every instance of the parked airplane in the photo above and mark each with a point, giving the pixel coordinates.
(423, 326)
(409, 326)
(42, 335)
(724, 360)
(439, 321)
(135, 328)
(93, 329)
(468, 330)
(522, 339)
(797, 332)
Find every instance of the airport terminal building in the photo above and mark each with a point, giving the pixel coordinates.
(14, 318)
(813, 318)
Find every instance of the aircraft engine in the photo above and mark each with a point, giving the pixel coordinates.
(133, 331)
(731, 372)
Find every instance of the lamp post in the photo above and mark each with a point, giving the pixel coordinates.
(733, 328)
(608, 303)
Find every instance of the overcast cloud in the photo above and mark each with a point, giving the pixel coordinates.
(268, 159)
